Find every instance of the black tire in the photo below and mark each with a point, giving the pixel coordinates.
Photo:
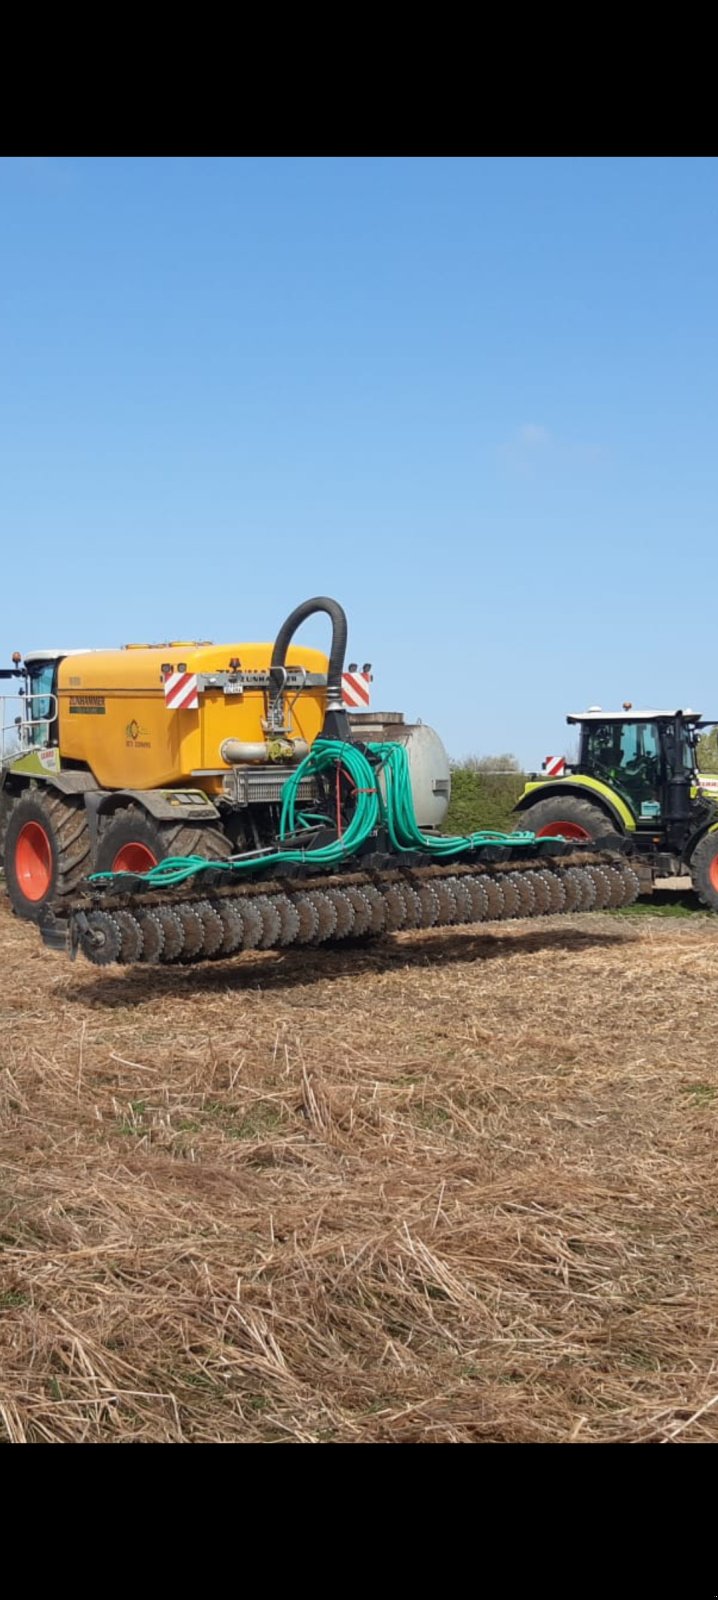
(704, 870)
(63, 823)
(132, 826)
(555, 809)
(6, 804)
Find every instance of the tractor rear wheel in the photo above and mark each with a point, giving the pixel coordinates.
(47, 850)
(131, 841)
(704, 870)
(569, 818)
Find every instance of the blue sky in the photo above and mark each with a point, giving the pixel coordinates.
(475, 400)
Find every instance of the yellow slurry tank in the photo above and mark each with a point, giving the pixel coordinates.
(116, 715)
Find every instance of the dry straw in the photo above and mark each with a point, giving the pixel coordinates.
(461, 1188)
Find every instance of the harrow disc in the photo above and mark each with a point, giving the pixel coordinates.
(541, 893)
(554, 889)
(101, 939)
(153, 939)
(308, 919)
(130, 937)
(345, 913)
(173, 932)
(512, 890)
(271, 921)
(527, 897)
(395, 907)
(412, 905)
(326, 915)
(362, 910)
(377, 906)
(213, 928)
(429, 905)
(288, 919)
(253, 924)
(602, 884)
(233, 924)
(192, 931)
(447, 904)
(495, 898)
(478, 896)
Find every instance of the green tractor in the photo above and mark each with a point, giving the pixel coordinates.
(636, 779)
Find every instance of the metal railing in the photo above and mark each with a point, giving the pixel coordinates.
(18, 726)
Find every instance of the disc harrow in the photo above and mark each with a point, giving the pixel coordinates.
(185, 928)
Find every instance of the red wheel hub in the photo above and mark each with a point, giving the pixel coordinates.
(713, 873)
(33, 861)
(134, 857)
(562, 830)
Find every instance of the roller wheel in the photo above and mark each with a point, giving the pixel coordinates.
(252, 921)
(447, 904)
(631, 884)
(362, 911)
(412, 902)
(513, 894)
(130, 937)
(101, 940)
(288, 919)
(527, 897)
(572, 895)
(47, 850)
(377, 908)
(555, 892)
(192, 931)
(494, 898)
(326, 914)
(153, 939)
(617, 886)
(478, 897)
(584, 886)
(233, 924)
(308, 919)
(541, 893)
(172, 931)
(395, 907)
(602, 885)
(213, 927)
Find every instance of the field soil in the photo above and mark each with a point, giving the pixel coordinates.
(459, 1187)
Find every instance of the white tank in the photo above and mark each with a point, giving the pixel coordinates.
(428, 761)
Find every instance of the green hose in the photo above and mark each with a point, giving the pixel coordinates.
(394, 810)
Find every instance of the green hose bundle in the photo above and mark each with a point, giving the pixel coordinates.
(393, 808)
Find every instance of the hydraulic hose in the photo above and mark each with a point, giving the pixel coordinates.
(338, 650)
(336, 722)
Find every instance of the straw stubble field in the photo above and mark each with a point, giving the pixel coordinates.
(459, 1188)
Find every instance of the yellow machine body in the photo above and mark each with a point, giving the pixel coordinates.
(113, 716)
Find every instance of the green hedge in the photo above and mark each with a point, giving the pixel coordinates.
(482, 800)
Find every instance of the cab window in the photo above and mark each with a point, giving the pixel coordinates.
(40, 705)
(627, 754)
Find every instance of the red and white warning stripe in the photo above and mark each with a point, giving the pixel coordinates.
(181, 692)
(355, 690)
(554, 766)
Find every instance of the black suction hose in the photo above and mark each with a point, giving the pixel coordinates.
(336, 722)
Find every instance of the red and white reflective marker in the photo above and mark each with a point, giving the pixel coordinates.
(554, 766)
(355, 690)
(181, 692)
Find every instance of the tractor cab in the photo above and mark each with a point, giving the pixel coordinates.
(28, 704)
(646, 757)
